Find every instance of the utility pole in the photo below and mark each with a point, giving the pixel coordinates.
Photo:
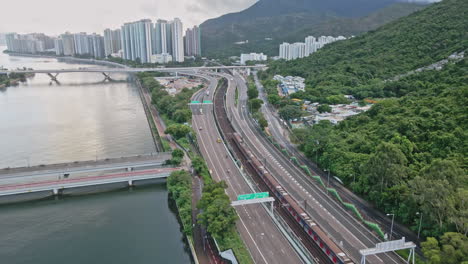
(391, 226)
(420, 223)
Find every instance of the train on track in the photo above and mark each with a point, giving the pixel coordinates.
(313, 231)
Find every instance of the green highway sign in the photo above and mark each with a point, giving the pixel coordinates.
(195, 102)
(251, 196)
(207, 102)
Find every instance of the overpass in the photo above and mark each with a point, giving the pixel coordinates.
(55, 186)
(53, 73)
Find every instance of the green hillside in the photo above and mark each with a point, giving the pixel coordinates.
(408, 153)
(357, 66)
(219, 36)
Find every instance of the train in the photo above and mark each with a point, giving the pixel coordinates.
(312, 229)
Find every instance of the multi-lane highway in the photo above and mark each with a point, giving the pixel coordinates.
(342, 226)
(281, 135)
(264, 240)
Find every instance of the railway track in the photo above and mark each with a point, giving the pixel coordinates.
(228, 132)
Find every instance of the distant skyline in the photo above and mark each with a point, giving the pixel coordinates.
(54, 17)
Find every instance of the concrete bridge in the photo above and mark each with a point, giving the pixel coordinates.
(53, 73)
(55, 186)
(90, 166)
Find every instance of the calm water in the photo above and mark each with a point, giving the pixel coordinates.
(119, 227)
(81, 118)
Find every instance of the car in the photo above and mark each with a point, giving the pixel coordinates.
(200, 128)
(218, 140)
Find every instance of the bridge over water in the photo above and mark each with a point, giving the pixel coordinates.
(53, 73)
(55, 177)
(63, 183)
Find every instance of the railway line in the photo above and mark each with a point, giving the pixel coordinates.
(229, 135)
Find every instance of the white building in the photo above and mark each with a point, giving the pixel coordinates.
(300, 50)
(112, 41)
(177, 40)
(162, 58)
(136, 40)
(252, 57)
(58, 46)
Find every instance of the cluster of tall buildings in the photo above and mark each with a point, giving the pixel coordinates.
(80, 44)
(160, 42)
(28, 43)
(142, 41)
(298, 50)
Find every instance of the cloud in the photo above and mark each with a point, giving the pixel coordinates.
(57, 16)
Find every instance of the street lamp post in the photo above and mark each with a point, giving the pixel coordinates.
(391, 226)
(420, 223)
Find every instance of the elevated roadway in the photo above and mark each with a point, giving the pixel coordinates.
(56, 185)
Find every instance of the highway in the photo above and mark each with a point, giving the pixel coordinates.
(342, 226)
(281, 135)
(263, 239)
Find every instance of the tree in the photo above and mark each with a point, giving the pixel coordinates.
(274, 99)
(290, 112)
(431, 250)
(217, 215)
(323, 108)
(386, 167)
(182, 115)
(255, 104)
(178, 131)
(252, 92)
(177, 156)
(452, 249)
(262, 122)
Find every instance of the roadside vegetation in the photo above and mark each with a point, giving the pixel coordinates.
(219, 216)
(255, 104)
(179, 185)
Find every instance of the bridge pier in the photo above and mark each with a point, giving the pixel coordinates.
(130, 183)
(53, 77)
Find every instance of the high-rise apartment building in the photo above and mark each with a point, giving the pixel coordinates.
(160, 37)
(96, 43)
(58, 46)
(112, 41)
(68, 44)
(193, 41)
(177, 40)
(136, 40)
(29, 43)
(81, 42)
(300, 50)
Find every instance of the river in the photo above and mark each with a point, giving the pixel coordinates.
(81, 118)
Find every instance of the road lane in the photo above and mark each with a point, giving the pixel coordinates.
(264, 240)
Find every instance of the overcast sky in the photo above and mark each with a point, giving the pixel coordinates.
(57, 16)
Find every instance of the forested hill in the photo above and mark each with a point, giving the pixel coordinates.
(268, 23)
(354, 66)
